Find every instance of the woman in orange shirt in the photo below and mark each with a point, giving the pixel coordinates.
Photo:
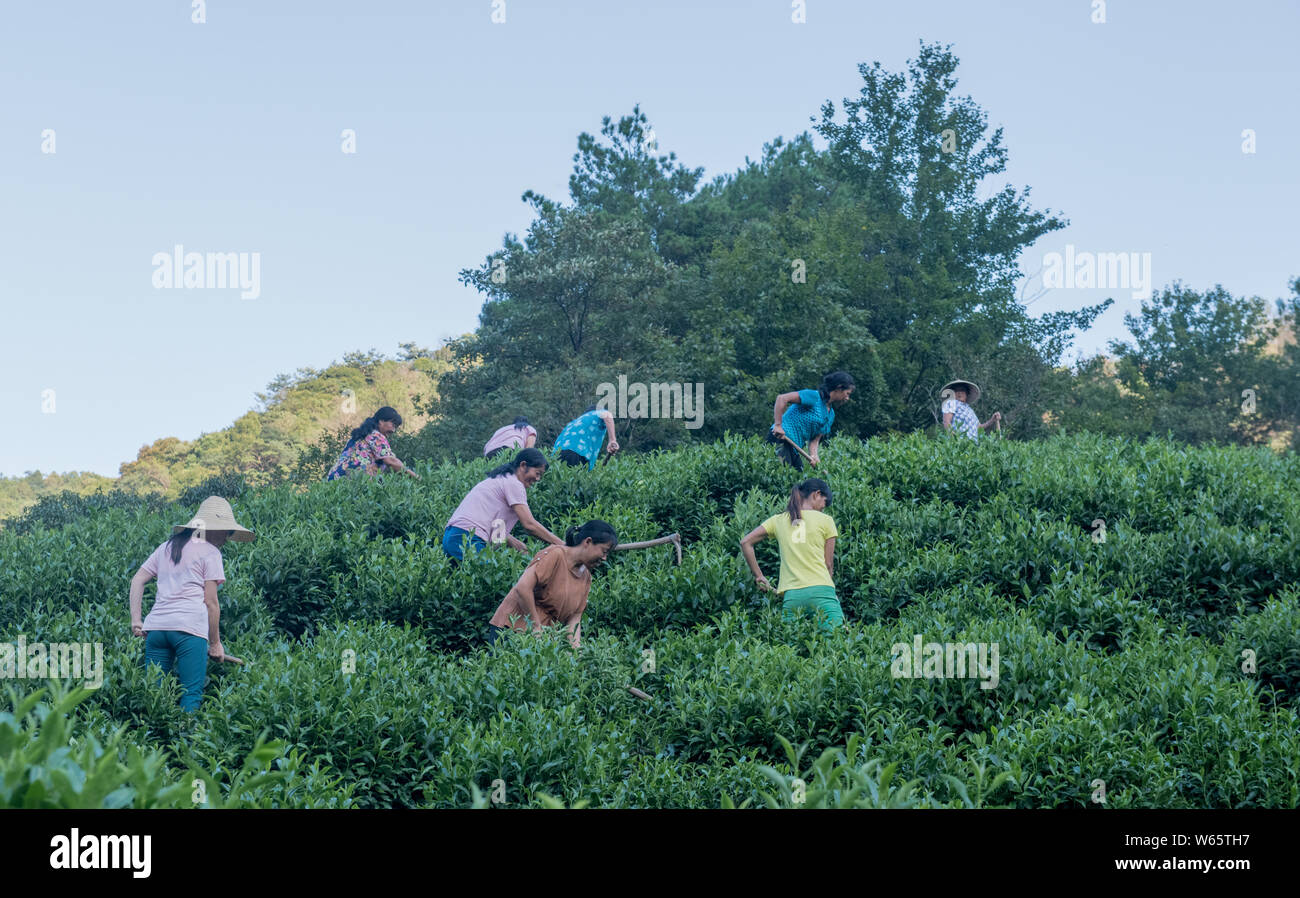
(554, 587)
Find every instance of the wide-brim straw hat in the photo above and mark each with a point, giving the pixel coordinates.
(972, 390)
(215, 514)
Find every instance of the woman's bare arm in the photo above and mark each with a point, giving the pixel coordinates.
(747, 549)
(137, 600)
(533, 526)
(612, 446)
(516, 544)
(575, 630)
(524, 589)
(783, 402)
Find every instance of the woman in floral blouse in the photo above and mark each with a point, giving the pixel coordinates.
(368, 449)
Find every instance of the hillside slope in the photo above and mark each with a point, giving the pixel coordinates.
(1120, 658)
(297, 414)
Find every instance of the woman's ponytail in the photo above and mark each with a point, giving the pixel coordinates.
(598, 532)
(176, 543)
(371, 424)
(800, 494)
(792, 507)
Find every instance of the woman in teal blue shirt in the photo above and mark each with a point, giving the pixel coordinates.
(580, 441)
(805, 416)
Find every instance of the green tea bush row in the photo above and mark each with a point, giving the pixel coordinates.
(1121, 659)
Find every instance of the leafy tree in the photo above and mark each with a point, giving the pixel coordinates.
(628, 179)
(876, 255)
(934, 265)
(365, 362)
(1192, 356)
(1196, 364)
(572, 307)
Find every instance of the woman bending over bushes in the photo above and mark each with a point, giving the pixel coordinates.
(489, 511)
(368, 452)
(554, 587)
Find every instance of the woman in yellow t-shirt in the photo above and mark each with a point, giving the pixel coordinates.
(806, 536)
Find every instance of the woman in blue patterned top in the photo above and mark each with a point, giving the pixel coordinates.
(579, 443)
(805, 416)
(958, 417)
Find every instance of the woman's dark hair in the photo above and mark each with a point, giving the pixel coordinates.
(368, 426)
(521, 422)
(590, 408)
(176, 543)
(598, 532)
(802, 491)
(836, 380)
(531, 457)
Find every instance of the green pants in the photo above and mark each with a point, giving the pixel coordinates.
(815, 600)
(187, 654)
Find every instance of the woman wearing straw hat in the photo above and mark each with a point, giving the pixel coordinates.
(183, 628)
(958, 417)
(368, 450)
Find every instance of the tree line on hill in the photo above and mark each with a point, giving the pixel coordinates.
(876, 255)
(296, 412)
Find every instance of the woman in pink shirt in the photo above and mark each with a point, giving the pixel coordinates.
(183, 628)
(492, 508)
(520, 435)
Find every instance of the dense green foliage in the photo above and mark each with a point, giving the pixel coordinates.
(1203, 366)
(51, 758)
(892, 253)
(20, 493)
(1120, 659)
(877, 255)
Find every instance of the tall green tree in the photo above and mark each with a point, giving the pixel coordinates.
(1199, 364)
(574, 305)
(876, 255)
(936, 266)
(626, 176)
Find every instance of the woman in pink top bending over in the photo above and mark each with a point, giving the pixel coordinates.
(489, 512)
(520, 435)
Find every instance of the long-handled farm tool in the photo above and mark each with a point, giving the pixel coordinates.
(800, 450)
(673, 538)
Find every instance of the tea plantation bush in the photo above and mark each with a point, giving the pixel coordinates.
(1159, 652)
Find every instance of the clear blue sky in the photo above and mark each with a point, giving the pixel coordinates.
(225, 137)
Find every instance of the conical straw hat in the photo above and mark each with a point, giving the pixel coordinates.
(972, 391)
(215, 514)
